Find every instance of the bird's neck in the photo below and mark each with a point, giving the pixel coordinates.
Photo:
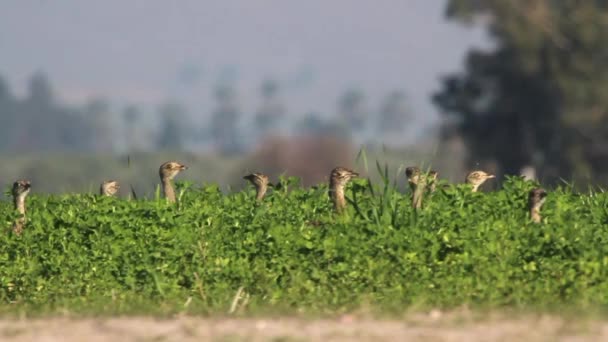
(260, 191)
(168, 190)
(535, 213)
(336, 193)
(19, 202)
(417, 195)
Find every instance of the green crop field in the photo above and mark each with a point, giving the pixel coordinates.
(215, 252)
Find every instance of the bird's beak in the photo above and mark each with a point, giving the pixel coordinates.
(183, 167)
(491, 176)
(354, 174)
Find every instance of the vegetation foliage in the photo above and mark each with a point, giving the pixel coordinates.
(537, 98)
(216, 252)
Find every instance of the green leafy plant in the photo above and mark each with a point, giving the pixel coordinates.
(226, 253)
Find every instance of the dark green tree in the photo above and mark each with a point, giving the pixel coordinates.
(131, 117)
(538, 98)
(313, 124)
(224, 122)
(41, 122)
(97, 113)
(353, 111)
(271, 111)
(40, 90)
(45, 124)
(8, 115)
(394, 113)
(172, 130)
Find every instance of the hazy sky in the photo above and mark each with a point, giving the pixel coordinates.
(146, 51)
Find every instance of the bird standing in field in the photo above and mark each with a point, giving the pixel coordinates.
(477, 178)
(109, 188)
(420, 183)
(260, 182)
(415, 179)
(536, 199)
(432, 180)
(167, 172)
(21, 189)
(339, 177)
(413, 176)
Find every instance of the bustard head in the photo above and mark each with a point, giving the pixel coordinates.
(419, 183)
(340, 176)
(432, 180)
(477, 178)
(413, 175)
(109, 188)
(170, 169)
(536, 199)
(257, 179)
(21, 188)
(260, 181)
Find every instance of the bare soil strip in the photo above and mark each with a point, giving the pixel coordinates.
(434, 326)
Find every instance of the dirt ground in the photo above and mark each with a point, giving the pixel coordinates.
(432, 326)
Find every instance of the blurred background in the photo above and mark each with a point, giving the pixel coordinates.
(111, 89)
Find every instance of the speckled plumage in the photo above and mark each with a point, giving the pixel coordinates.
(339, 177)
(109, 188)
(477, 178)
(20, 190)
(167, 172)
(536, 199)
(260, 182)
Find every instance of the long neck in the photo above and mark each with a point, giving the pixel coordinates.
(260, 191)
(336, 192)
(417, 195)
(412, 186)
(19, 202)
(168, 189)
(19, 223)
(475, 187)
(535, 214)
(432, 184)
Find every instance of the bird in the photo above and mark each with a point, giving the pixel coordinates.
(339, 177)
(432, 180)
(417, 185)
(420, 183)
(109, 188)
(477, 178)
(413, 176)
(167, 172)
(536, 199)
(21, 189)
(260, 182)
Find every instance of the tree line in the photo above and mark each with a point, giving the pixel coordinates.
(41, 122)
(538, 99)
